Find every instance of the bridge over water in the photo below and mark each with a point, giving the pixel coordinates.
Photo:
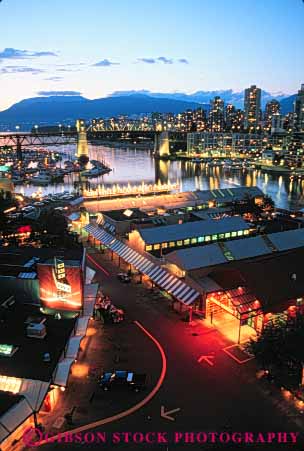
(163, 141)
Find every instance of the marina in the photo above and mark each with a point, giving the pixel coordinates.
(134, 166)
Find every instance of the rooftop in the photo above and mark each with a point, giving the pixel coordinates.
(274, 279)
(192, 229)
(175, 200)
(20, 262)
(214, 254)
(125, 214)
(27, 361)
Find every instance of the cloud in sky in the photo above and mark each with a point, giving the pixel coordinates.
(105, 63)
(20, 69)
(54, 78)
(11, 53)
(165, 60)
(183, 61)
(59, 93)
(147, 60)
(162, 59)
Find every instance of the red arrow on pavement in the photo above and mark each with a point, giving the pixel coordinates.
(207, 358)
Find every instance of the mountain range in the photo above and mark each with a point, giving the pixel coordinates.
(67, 108)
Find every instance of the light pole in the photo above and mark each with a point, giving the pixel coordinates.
(36, 128)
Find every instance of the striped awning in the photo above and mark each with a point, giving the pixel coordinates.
(161, 277)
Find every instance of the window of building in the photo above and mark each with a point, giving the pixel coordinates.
(207, 238)
(186, 242)
(179, 242)
(164, 245)
(246, 232)
(172, 244)
(193, 240)
(233, 234)
(227, 235)
(148, 248)
(214, 237)
(201, 239)
(240, 233)
(156, 247)
(221, 236)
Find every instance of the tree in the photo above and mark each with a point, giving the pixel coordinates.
(279, 349)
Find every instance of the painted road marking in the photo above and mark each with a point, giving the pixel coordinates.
(167, 414)
(207, 358)
(234, 357)
(98, 265)
(131, 410)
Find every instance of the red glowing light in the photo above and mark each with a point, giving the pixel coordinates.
(24, 229)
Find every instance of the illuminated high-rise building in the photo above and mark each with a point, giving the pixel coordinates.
(272, 110)
(216, 115)
(299, 110)
(252, 107)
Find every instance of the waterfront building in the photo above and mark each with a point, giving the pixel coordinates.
(224, 144)
(236, 295)
(299, 110)
(252, 107)
(160, 240)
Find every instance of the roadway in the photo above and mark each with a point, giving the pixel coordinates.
(219, 395)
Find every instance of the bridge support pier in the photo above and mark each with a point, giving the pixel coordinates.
(161, 144)
(19, 149)
(82, 143)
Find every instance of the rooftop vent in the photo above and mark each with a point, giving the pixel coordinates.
(36, 330)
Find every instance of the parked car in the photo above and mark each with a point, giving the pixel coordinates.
(123, 379)
(123, 277)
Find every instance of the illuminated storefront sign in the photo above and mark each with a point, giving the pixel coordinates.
(60, 285)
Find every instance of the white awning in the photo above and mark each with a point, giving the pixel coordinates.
(90, 293)
(160, 276)
(82, 325)
(34, 392)
(90, 273)
(62, 372)
(16, 415)
(73, 347)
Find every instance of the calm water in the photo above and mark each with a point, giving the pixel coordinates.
(136, 165)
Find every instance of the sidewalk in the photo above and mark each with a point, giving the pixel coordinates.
(106, 347)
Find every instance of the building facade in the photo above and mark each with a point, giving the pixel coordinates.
(299, 110)
(252, 107)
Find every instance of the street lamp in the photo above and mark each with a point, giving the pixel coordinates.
(17, 128)
(36, 128)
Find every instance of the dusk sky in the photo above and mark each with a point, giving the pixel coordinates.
(96, 47)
